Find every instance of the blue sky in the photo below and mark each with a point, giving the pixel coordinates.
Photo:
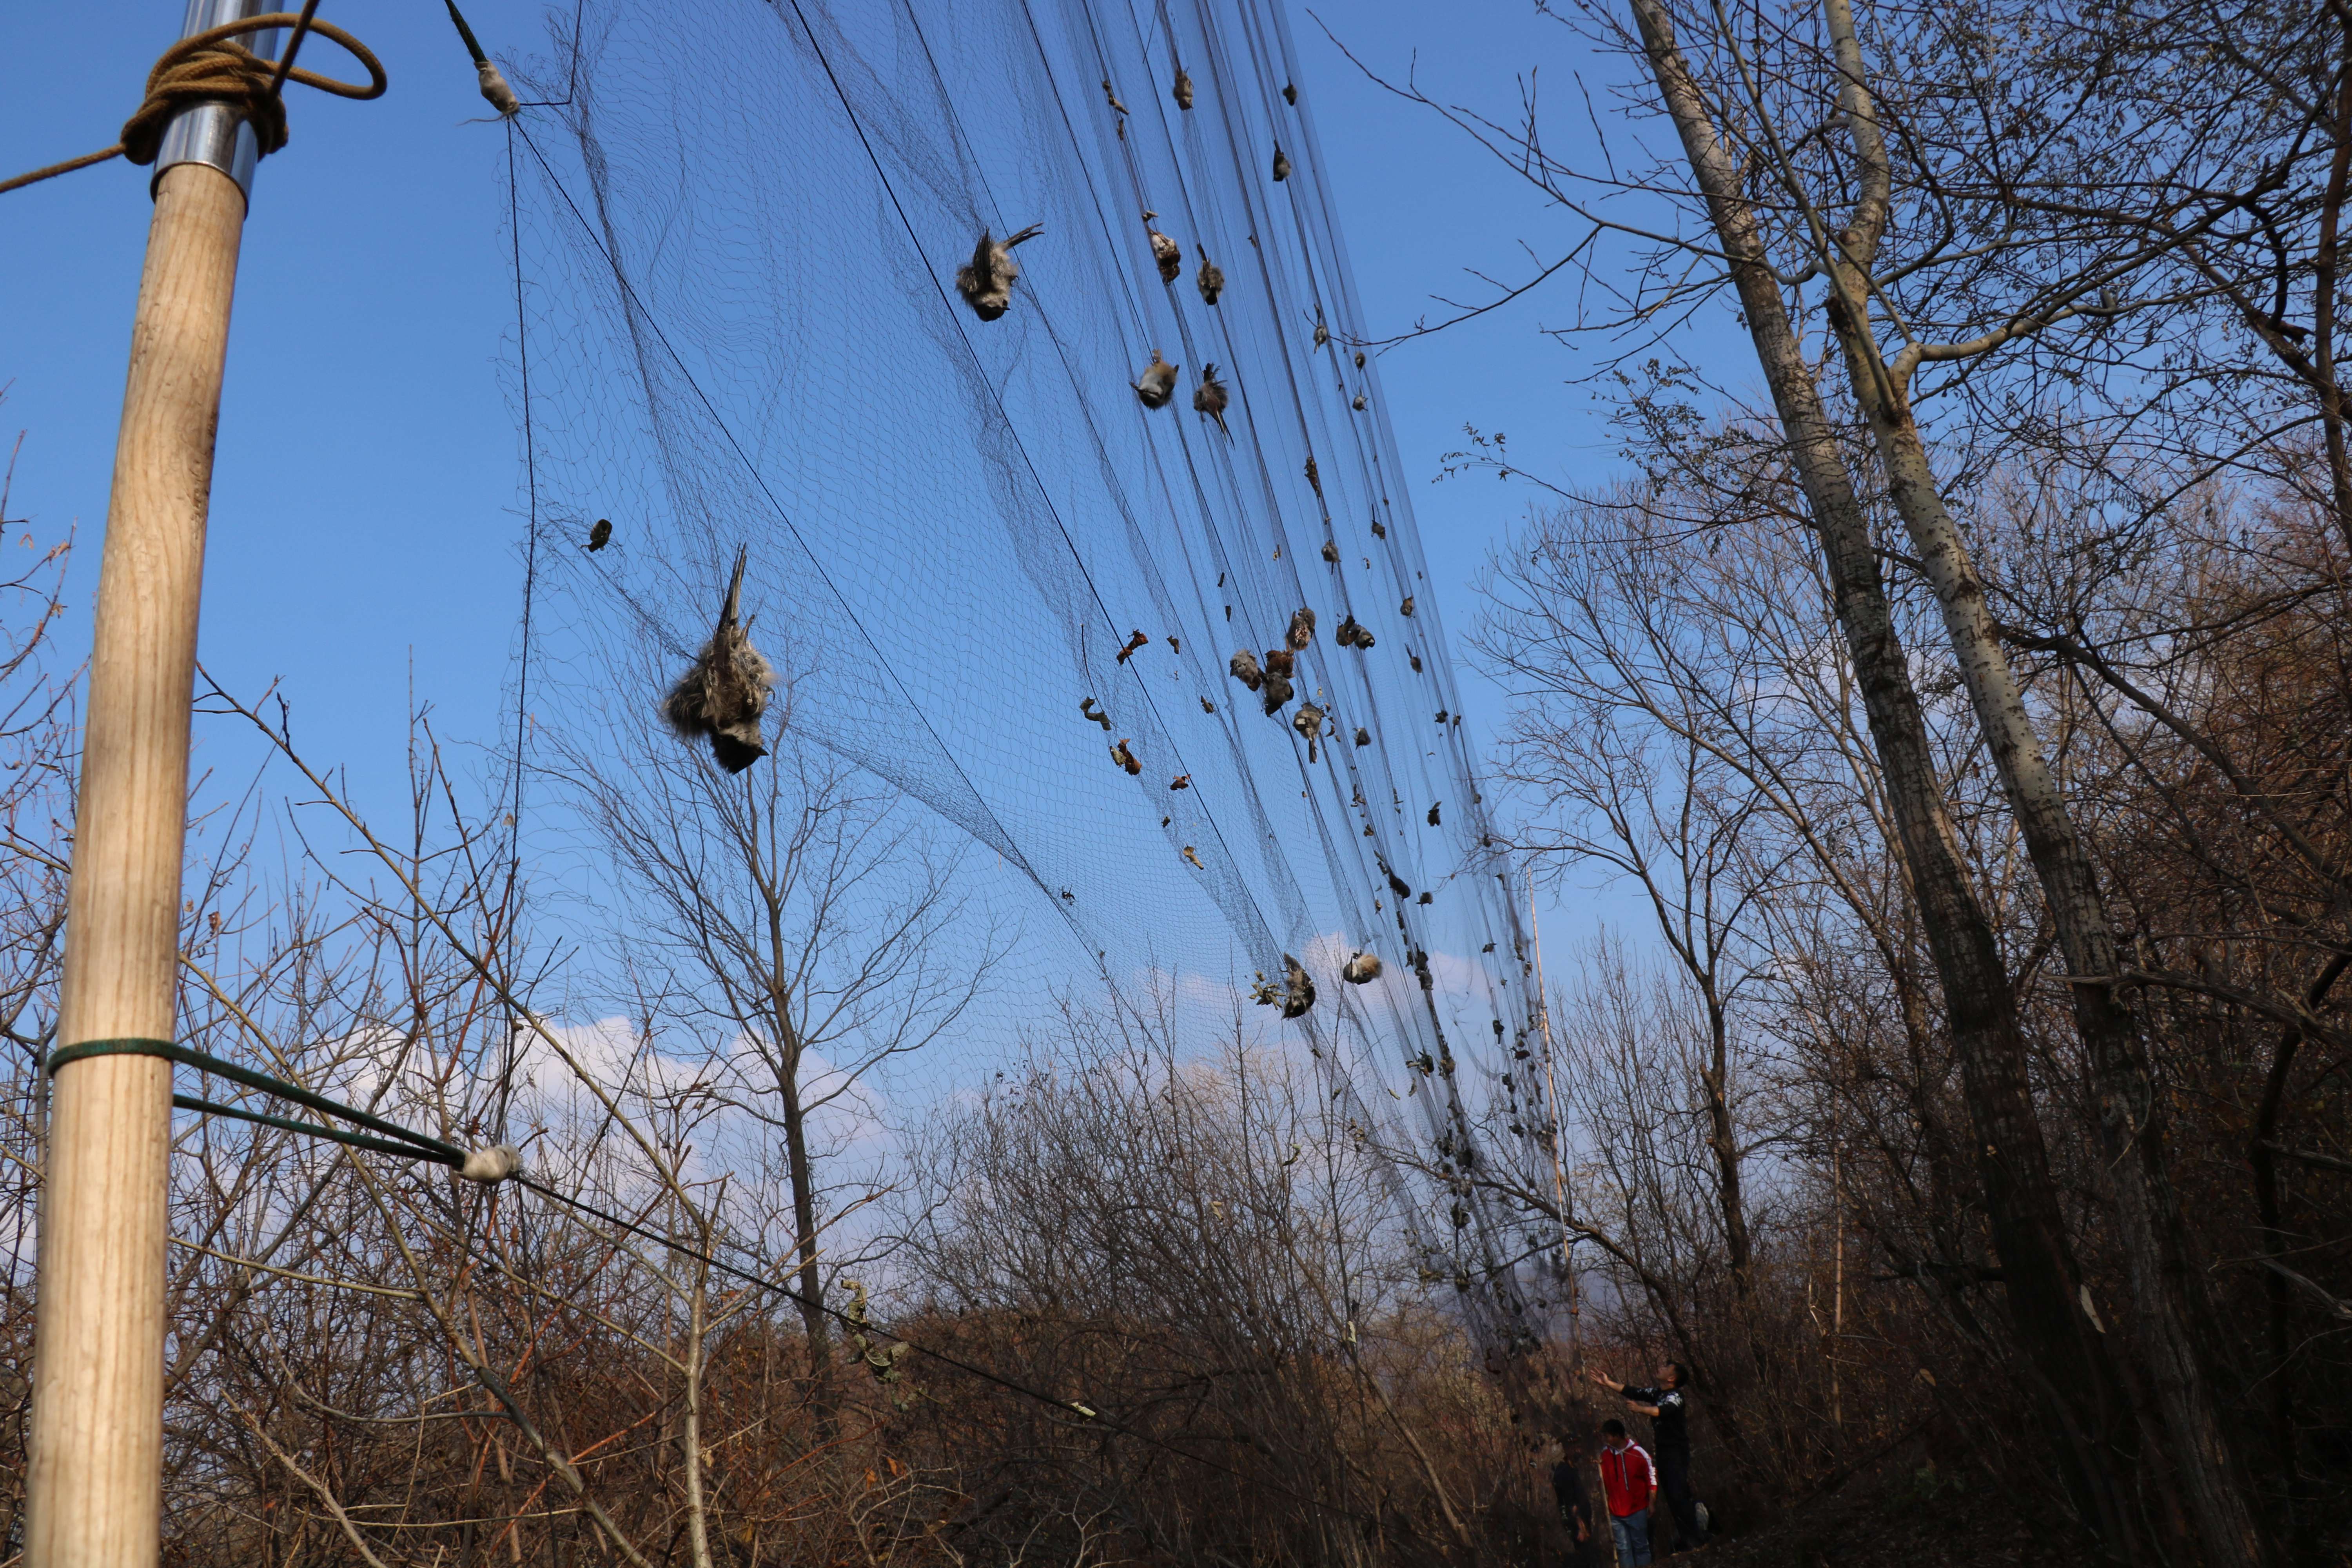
(366, 506)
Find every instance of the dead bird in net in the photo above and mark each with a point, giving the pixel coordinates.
(1244, 667)
(1277, 692)
(1166, 253)
(1126, 758)
(1360, 403)
(1309, 723)
(1359, 359)
(1397, 885)
(1086, 708)
(1212, 398)
(1157, 385)
(1405, 608)
(1189, 855)
(1322, 332)
(986, 280)
(601, 534)
(1379, 531)
(1315, 478)
(1111, 97)
(1331, 552)
(1211, 277)
(1183, 92)
(1363, 737)
(1302, 627)
(1361, 970)
(1281, 662)
(1136, 639)
(1433, 821)
(1181, 780)
(725, 692)
(1297, 989)
(1281, 164)
(1290, 94)
(1351, 633)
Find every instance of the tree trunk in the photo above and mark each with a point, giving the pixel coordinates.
(2071, 1371)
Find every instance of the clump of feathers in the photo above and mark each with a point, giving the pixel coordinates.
(1157, 385)
(724, 693)
(986, 280)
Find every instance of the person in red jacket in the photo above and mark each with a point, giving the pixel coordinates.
(1627, 1480)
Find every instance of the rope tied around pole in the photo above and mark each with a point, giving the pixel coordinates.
(487, 1167)
(211, 67)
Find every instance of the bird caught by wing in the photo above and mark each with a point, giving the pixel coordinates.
(1212, 398)
(1157, 385)
(1211, 277)
(601, 534)
(986, 280)
(725, 691)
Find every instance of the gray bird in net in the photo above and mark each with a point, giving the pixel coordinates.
(1183, 89)
(1302, 628)
(1212, 398)
(1309, 723)
(1362, 969)
(1244, 667)
(1166, 253)
(1297, 989)
(725, 692)
(986, 280)
(1157, 385)
(1281, 164)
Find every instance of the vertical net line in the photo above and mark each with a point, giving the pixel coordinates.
(529, 595)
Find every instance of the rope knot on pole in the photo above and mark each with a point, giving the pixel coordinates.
(212, 67)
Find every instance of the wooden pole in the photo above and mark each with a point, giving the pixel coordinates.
(95, 1488)
(1559, 1166)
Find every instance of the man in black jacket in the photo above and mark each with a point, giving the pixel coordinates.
(1669, 1421)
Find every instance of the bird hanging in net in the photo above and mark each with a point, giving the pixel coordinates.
(1363, 737)
(1136, 639)
(1183, 91)
(1157, 385)
(1212, 398)
(725, 692)
(1435, 820)
(1166, 253)
(1281, 662)
(601, 534)
(1315, 479)
(1211, 277)
(1297, 989)
(1352, 634)
(1302, 628)
(1087, 707)
(1244, 667)
(1281, 164)
(986, 280)
(1331, 552)
(1277, 689)
(1361, 970)
(1322, 332)
(1290, 94)
(1125, 758)
(1308, 721)
(1406, 609)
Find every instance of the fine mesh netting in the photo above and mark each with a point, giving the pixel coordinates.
(743, 329)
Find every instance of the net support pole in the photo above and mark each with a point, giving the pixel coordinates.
(95, 1485)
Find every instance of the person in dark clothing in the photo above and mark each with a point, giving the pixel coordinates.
(1668, 1410)
(1575, 1511)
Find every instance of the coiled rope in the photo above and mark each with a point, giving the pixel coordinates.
(211, 67)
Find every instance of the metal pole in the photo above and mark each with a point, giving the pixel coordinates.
(94, 1491)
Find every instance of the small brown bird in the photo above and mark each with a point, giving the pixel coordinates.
(1245, 668)
(1086, 708)
(1183, 90)
(1281, 662)
(1433, 813)
(1379, 531)
(1126, 758)
(1277, 692)
(1416, 662)
(1302, 627)
(1405, 608)
(601, 534)
(1290, 95)
(1359, 359)
(1194, 859)
(1207, 706)
(1297, 990)
(1315, 478)
(1166, 254)
(1309, 723)
(724, 693)
(1361, 970)
(1322, 332)
(1281, 164)
(1112, 97)
(1331, 552)
(986, 280)
(1212, 398)
(1135, 640)
(1181, 780)
(1157, 385)
(1426, 898)
(1211, 277)
(1363, 737)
